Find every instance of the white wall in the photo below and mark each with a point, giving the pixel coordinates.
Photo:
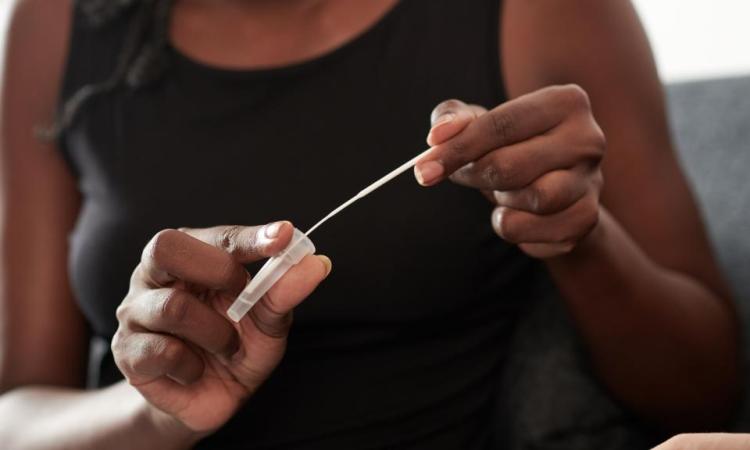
(3, 16)
(698, 38)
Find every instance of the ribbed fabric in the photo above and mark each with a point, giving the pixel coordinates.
(401, 345)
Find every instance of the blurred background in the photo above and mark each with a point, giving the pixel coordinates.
(698, 39)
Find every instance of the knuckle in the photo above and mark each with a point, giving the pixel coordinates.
(228, 237)
(575, 97)
(589, 218)
(171, 351)
(159, 244)
(490, 177)
(116, 344)
(174, 307)
(458, 147)
(507, 173)
(120, 354)
(598, 181)
(593, 218)
(139, 364)
(139, 361)
(456, 154)
(598, 138)
(122, 312)
(137, 274)
(593, 142)
(592, 207)
(503, 125)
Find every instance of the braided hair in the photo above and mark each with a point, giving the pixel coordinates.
(141, 62)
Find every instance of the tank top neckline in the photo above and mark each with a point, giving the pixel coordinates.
(348, 46)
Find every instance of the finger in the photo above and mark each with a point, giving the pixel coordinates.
(549, 194)
(272, 314)
(512, 122)
(173, 255)
(706, 441)
(144, 357)
(517, 165)
(246, 244)
(521, 227)
(450, 118)
(179, 313)
(547, 251)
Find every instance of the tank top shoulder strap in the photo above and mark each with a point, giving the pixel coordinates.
(93, 47)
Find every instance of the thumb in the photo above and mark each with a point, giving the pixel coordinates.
(246, 244)
(450, 118)
(272, 314)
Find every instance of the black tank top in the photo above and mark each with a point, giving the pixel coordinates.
(401, 346)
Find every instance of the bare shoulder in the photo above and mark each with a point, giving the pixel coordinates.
(42, 20)
(586, 41)
(36, 47)
(602, 47)
(36, 185)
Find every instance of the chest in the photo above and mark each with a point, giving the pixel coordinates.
(269, 34)
(207, 147)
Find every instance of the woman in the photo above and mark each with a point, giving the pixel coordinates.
(199, 113)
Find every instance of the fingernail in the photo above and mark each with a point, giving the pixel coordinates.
(501, 197)
(442, 120)
(272, 231)
(445, 118)
(428, 172)
(327, 263)
(497, 219)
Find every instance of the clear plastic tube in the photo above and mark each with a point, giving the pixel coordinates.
(299, 247)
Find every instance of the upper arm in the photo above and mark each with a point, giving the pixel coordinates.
(42, 333)
(601, 46)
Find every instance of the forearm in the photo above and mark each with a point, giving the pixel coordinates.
(713, 441)
(661, 341)
(114, 418)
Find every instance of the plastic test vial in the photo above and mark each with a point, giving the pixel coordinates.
(299, 247)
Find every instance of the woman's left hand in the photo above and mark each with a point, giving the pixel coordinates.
(537, 156)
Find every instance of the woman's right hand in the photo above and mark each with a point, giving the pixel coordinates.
(175, 343)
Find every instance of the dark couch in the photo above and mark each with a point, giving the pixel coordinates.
(549, 400)
(711, 123)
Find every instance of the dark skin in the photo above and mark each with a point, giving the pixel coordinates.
(633, 280)
(173, 301)
(641, 289)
